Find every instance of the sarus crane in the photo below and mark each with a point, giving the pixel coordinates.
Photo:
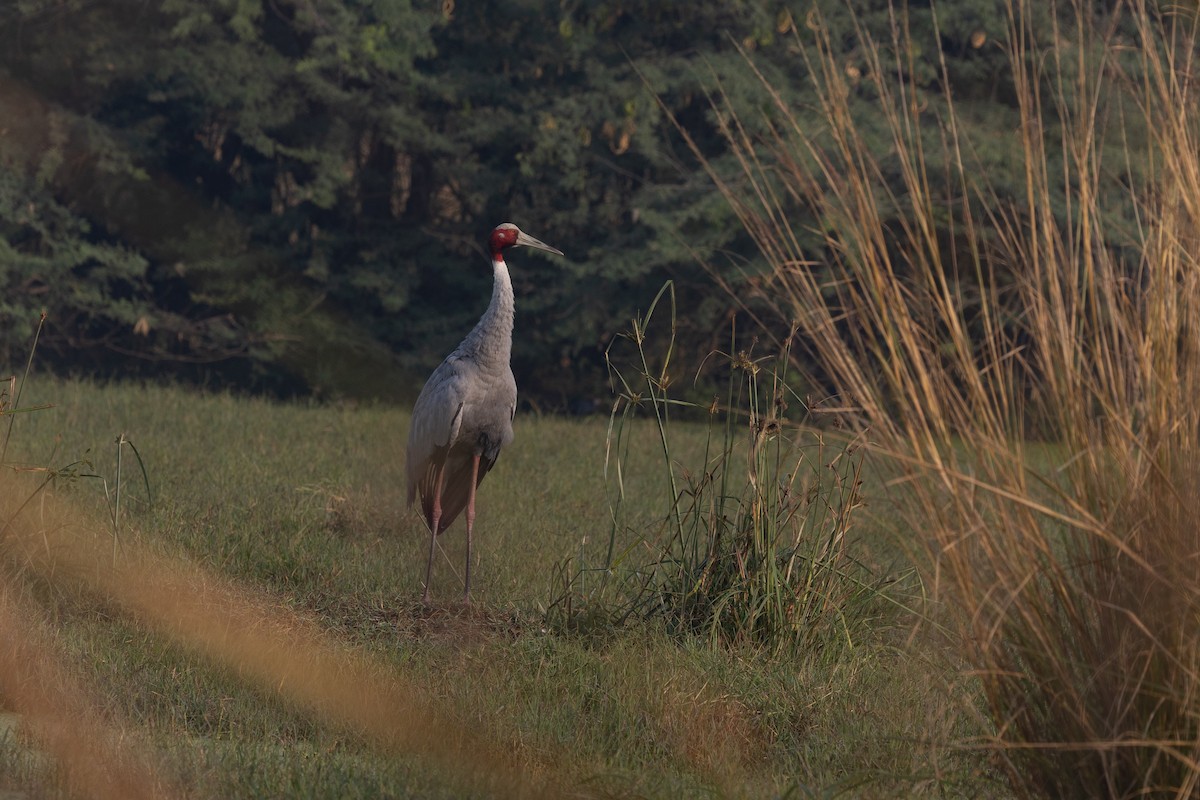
(463, 416)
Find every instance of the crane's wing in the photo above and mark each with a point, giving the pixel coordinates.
(436, 419)
(457, 460)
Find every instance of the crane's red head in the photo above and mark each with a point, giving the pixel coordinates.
(508, 235)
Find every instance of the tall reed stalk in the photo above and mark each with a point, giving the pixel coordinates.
(958, 323)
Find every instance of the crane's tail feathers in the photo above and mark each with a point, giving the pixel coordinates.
(455, 485)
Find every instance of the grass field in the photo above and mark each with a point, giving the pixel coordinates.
(301, 509)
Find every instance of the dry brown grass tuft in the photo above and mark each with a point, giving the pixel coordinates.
(714, 733)
(1071, 585)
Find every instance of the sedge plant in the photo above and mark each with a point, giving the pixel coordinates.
(10, 407)
(753, 543)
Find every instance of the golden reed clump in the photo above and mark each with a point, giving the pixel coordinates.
(1032, 385)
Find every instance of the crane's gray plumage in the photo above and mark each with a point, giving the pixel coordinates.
(463, 416)
(467, 403)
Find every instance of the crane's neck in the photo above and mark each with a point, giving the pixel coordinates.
(491, 340)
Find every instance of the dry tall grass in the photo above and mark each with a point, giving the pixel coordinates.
(1075, 588)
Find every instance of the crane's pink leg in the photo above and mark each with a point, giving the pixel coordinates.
(434, 520)
(470, 523)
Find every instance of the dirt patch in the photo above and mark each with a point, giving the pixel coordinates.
(398, 620)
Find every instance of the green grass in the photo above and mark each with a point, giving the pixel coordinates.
(305, 506)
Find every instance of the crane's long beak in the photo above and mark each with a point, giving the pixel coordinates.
(529, 241)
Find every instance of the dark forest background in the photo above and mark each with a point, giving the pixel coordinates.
(291, 196)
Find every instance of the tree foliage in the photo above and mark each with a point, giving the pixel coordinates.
(297, 190)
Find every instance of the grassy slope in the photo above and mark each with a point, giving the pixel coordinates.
(307, 504)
